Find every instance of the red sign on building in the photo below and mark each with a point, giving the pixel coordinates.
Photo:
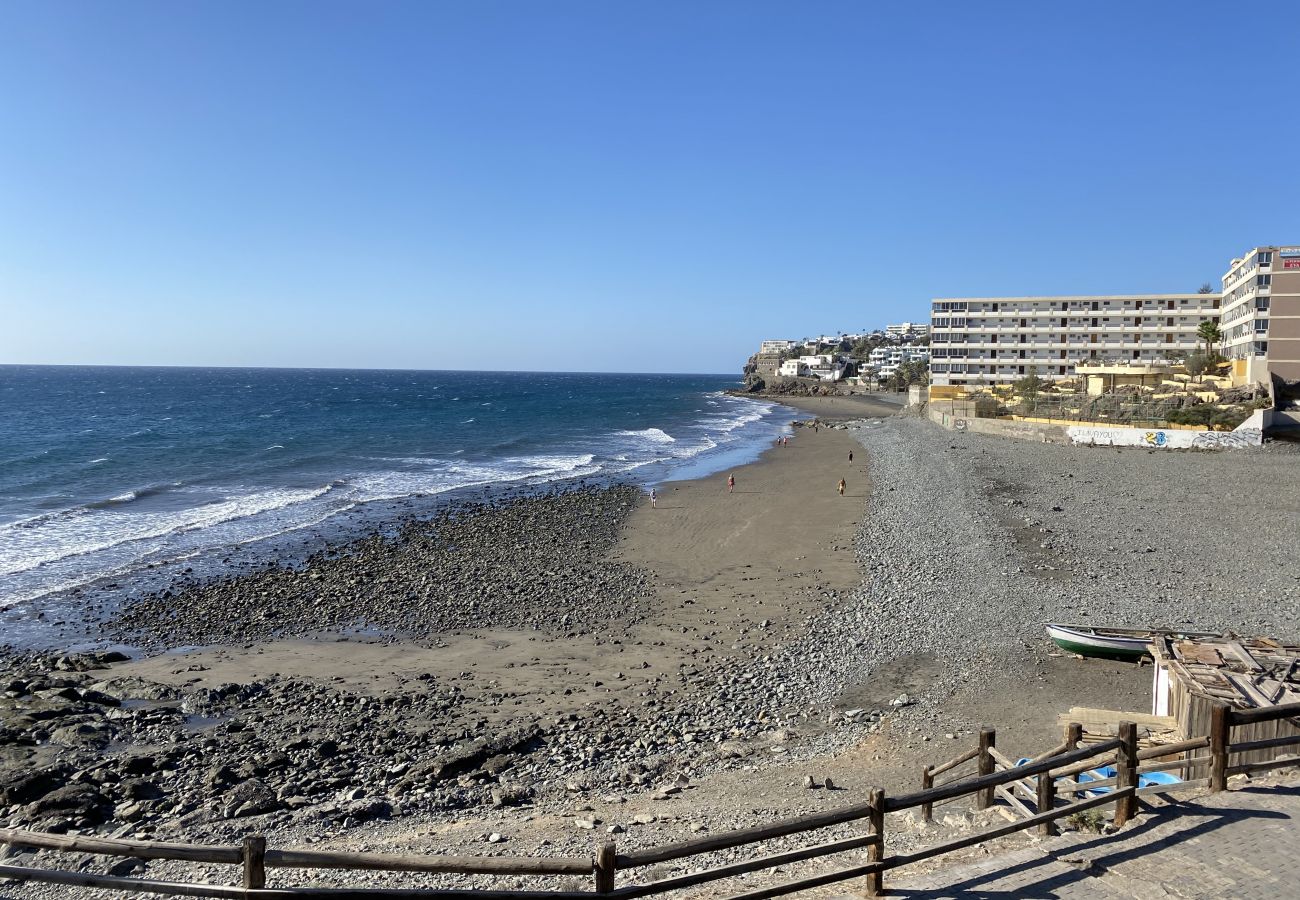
(1291, 263)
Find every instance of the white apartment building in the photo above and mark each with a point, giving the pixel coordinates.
(1260, 313)
(910, 330)
(988, 340)
(896, 356)
(776, 346)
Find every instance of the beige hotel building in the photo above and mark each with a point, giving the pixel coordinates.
(1260, 314)
(991, 340)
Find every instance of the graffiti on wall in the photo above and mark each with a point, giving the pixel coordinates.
(1228, 440)
(1160, 439)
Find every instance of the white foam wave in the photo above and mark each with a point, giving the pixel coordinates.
(93, 531)
(654, 435)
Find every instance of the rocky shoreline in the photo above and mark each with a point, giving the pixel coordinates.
(534, 562)
(85, 748)
(967, 545)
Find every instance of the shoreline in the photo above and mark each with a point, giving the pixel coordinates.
(69, 618)
(792, 634)
(698, 667)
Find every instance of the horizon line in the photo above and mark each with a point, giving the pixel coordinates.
(15, 365)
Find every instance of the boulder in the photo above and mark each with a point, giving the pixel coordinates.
(33, 785)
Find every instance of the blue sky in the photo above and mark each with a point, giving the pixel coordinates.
(611, 186)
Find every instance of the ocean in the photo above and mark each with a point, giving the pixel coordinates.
(129, 476)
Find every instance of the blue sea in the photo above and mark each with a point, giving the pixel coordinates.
(131, 475)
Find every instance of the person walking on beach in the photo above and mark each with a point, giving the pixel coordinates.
(654, 499)
(850, 456)
(842, 487)
(731, 484)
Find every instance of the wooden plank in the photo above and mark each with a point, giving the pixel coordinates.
(1248, 691)
(742, 868)
(1157, 789)
(434, 864)
(739, 837)
(1265, 714)
(1005, 761)
(1244, 655)
(1157, 750)
(988, 782)
(1266, 744)
(1250, 768)
(121, 847)
(954, 763)
(176, 889)
(1164, 765)
(1013, 801)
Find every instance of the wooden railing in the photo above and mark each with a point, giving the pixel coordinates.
(1041, 790)
(1225, 718)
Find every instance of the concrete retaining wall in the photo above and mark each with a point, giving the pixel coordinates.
(1250, 434)
(1025, 431)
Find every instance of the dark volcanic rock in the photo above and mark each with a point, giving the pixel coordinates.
(536, 563)
(33, 785)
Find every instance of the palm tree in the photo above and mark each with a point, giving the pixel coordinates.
(1209, 332)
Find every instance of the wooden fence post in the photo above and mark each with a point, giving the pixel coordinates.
(606, 865)
(988, 739)
(1126, 763)
(1073, 737)
(1220, 740)
(255, 861)
(927, 782)
(1046, 800)
(876, 852)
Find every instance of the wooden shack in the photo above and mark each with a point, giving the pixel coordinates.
(1193, 676)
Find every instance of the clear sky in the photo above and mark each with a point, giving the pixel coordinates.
(612, 186)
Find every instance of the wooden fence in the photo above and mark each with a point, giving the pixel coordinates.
(1038, 792)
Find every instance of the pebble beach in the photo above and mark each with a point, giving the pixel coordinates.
(528, 677)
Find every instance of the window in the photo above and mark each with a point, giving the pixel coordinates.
(1063, 321)
(1169, 305)
(938, 367)
(993, 307)
(1265, 258)
(1023, 338)
(1261, 304)
(1263, 280)
(940, 323)
(1094, 322)
(1169, 339)
(1094, 305)
(1261, 326)
(1136, 354)
(1169, 320)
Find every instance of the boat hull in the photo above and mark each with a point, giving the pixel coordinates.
(1099, 646)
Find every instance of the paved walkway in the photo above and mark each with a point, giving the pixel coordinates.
(1243, 843)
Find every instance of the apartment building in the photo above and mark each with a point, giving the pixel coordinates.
(990, 340)
(1260, 313)
(907, 331)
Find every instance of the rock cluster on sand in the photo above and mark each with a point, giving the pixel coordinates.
(532, 563)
